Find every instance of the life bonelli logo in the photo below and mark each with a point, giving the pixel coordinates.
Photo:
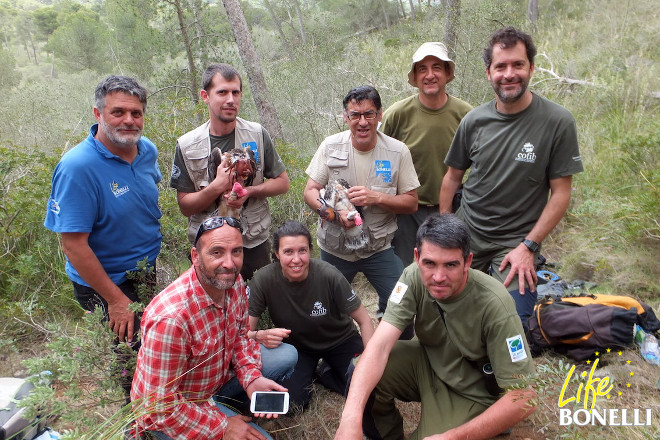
(580, 408)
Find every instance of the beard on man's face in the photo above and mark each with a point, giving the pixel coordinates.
(209, 277)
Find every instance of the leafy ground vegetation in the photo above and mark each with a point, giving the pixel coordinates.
(598, 58)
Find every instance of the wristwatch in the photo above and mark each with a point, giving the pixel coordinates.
(532, 245)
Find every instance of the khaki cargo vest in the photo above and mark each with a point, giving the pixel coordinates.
(379, 224)
(195, 147)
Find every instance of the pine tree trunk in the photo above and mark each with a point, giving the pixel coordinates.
(451, 25)
(303, 35)
(252, 65)
(387, 17)
(533, 12)
(412, 10)
(278, 26)
(194, 87)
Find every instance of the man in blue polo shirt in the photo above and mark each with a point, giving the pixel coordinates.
(104, 203)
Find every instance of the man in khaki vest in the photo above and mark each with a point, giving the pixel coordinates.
(199, 186)
(383, 182)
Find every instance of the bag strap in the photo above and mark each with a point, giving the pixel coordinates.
(538, 307)
(578, 340)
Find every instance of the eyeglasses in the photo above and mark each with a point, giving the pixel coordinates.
(356, 116)
(214, 223)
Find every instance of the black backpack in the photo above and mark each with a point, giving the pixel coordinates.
(578, 326)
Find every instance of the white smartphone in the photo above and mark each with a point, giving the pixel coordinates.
(269, 402)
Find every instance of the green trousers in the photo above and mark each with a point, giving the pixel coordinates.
(409, 377)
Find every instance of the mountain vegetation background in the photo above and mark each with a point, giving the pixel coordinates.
(598, 58)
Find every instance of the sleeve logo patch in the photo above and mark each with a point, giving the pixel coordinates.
(53, 206)
(176, 172)
(397, 292)
(516, 348)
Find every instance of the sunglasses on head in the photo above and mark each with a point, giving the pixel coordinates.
(214, 223)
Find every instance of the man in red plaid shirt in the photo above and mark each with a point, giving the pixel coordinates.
(195, 340)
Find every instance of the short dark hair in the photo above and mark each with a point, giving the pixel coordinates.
(361, 93)
(227, 71)
(446, 231)
(117, 83)
(507, 38)
(290, 228)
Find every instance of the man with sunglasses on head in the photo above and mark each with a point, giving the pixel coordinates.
(383, 183)
(199, 184)
(195, 346)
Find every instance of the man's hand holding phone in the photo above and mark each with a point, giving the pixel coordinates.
(267, 398)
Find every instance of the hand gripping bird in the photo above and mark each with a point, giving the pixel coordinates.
(242, 167)
(334, 198)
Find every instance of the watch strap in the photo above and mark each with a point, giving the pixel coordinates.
(532, 245)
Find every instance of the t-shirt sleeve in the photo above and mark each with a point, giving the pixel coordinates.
(345, 297)
(565, 159)
(273, 165)
(507, 349)
(407, 175)
(180, 178)
(317, 169)
(257, 300)
(73, 202)
(387, 124)
(458, 156)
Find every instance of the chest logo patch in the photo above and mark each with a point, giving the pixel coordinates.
(117, 191)
(318, 309)
(397, 292)
(252, 146)
(527, 153)
(384, 169)
(176, 172)
(516, 348)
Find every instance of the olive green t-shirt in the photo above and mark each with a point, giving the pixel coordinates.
(428, 134)
(512, 159)
(479, 323)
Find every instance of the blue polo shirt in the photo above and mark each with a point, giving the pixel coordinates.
(116, 202)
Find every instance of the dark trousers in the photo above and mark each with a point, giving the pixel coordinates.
(89, 299)
(338, 359)
(255, 258)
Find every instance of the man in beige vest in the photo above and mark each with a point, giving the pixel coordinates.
(383, 182)
(199, 186)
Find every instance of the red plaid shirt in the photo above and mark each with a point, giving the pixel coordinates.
(190, 348)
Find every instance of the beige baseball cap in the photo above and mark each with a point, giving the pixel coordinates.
(433, 49)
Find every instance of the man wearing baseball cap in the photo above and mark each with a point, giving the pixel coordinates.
(426, 123)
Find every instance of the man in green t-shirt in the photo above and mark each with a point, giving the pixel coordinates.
(469, 345)
(519, 147)
(426, 123)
